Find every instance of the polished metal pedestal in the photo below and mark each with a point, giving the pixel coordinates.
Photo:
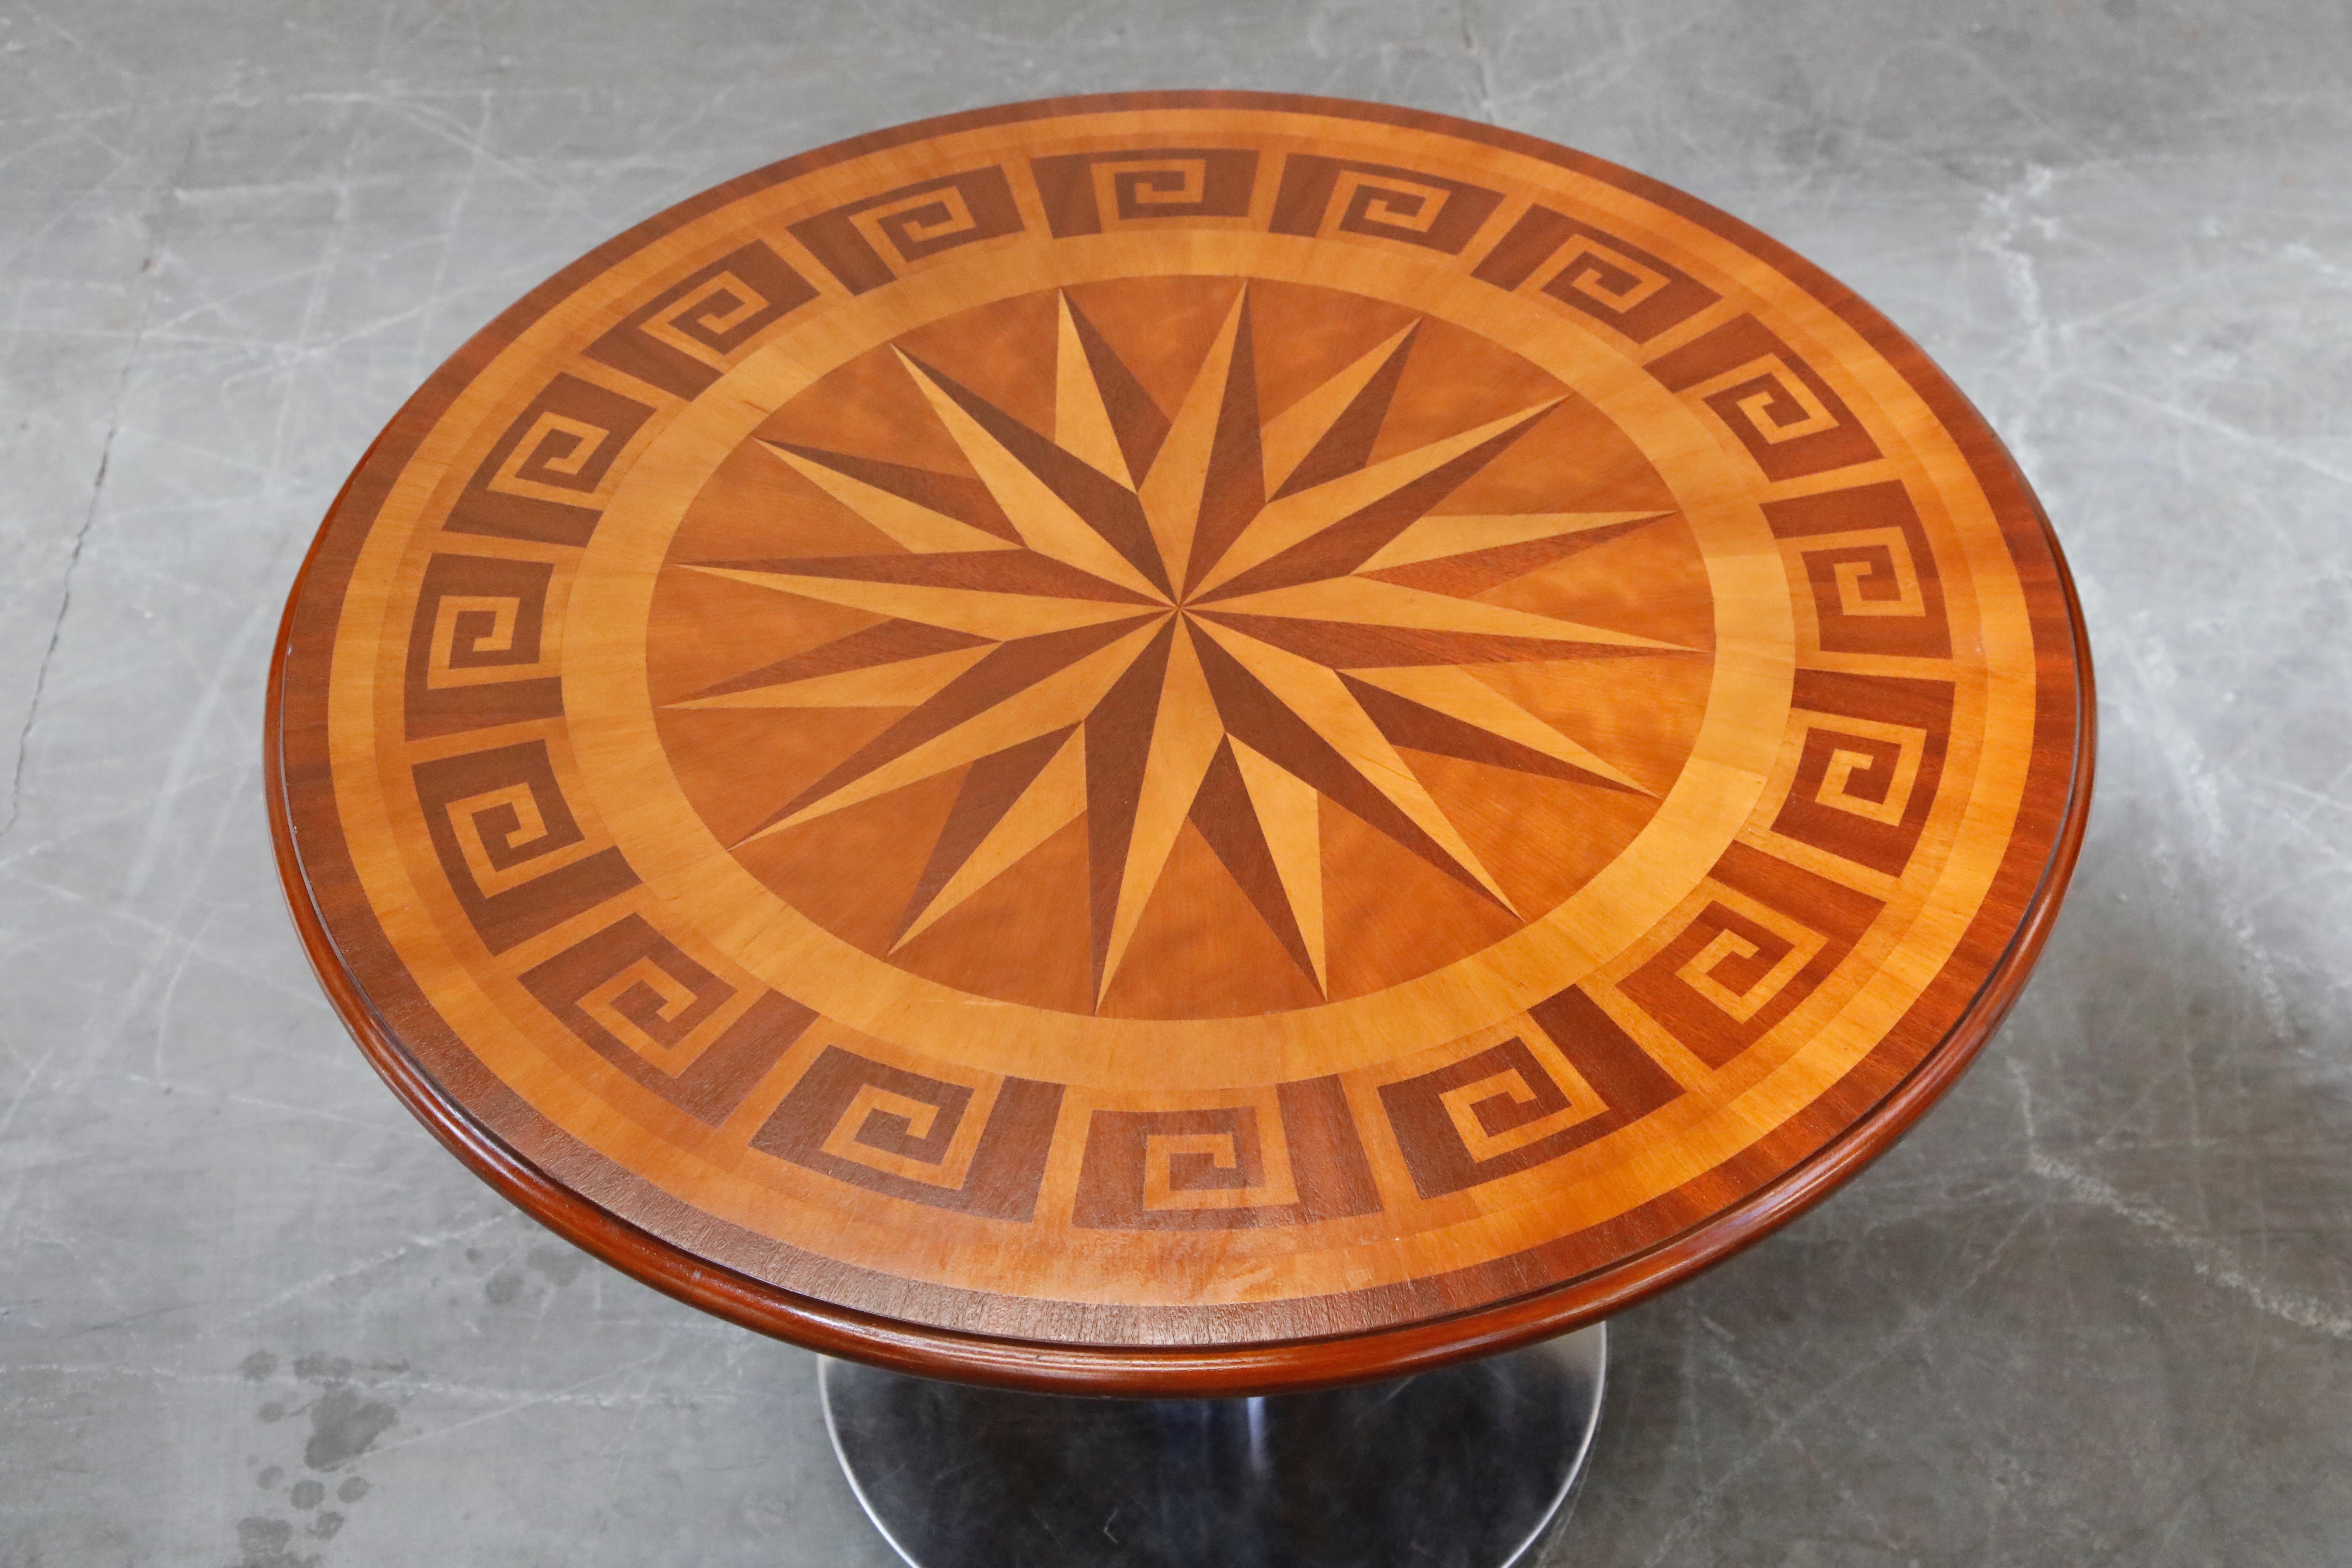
(1463, 1467)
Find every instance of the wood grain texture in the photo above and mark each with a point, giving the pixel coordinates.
(1186, 742)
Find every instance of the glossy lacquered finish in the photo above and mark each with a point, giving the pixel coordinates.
(1471, 1466)
(1178, 743)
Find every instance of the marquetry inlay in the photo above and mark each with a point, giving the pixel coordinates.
(1088, 741)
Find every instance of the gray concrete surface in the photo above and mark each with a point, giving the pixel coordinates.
(2096, 1310)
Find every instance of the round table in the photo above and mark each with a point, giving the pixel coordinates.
(1181, 745)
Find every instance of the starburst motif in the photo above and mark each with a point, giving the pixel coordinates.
(1149, 619)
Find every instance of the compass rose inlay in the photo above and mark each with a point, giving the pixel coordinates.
(1164, 630)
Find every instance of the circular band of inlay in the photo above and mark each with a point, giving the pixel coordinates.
(1179, 742)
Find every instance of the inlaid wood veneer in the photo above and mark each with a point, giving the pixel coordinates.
(1178, 742)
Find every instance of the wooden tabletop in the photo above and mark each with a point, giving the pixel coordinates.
(1178, 742)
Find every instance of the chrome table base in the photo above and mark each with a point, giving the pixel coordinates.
(1463, 1467)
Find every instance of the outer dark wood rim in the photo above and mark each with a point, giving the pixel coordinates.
(2016, 917)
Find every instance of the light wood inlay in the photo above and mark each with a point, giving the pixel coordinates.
(1178, 743)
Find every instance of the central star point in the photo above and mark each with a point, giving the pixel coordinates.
(1030, 634)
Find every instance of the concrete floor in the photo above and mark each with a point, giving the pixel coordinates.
(2096, 1310)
